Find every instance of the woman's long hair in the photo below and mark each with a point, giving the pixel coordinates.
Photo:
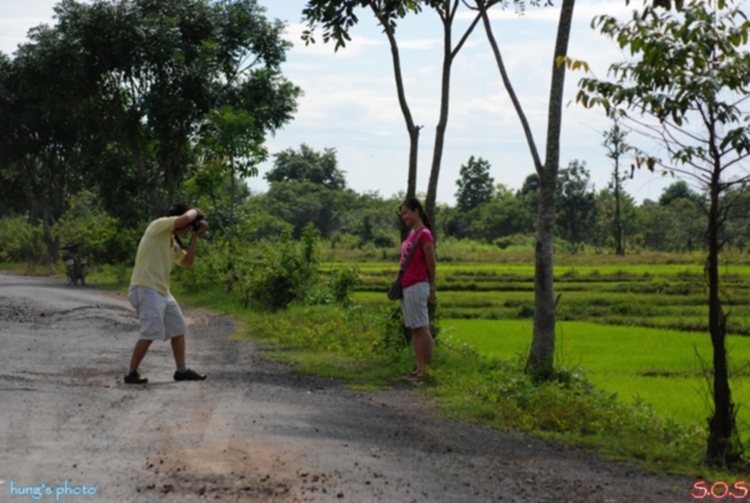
(414, 205)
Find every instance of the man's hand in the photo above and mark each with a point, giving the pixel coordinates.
(203, 228)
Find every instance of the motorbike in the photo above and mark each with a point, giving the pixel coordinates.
(74, 264)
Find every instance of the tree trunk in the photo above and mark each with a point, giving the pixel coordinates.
(541, 357)
(411, 127)
(721, 449)
(232, 191)
(619, 250)
(447, 15)
(445, 85)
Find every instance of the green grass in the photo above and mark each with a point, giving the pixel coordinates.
(642, 365)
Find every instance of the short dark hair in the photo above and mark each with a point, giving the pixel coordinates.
(178, 209)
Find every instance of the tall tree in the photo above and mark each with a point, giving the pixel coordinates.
(337, 17)
(307, 165)
(614, 142)
(475, 185)
(232, 147)
(151, 72)
(680, 190)
(576, 204)
(690, 74)
(307, 186)
(43, 141)
(605, 228)
(541, 356)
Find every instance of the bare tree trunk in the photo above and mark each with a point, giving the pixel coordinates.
(447, 15)
(619, 250)
(411, 127)
(445, 85)
(721, 449)
(614, 142)
(541, 357)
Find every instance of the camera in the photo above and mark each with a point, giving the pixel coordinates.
(196, 224)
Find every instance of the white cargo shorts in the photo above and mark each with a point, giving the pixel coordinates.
(160, 316)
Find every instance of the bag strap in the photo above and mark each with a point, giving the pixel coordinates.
(409, 255)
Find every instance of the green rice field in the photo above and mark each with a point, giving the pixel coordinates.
(659, 367)
(635, 329)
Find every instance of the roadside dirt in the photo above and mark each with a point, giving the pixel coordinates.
(252, 432)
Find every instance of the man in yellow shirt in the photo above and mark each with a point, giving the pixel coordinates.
(158, 312)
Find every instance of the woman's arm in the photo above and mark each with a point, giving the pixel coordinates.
(429, 257)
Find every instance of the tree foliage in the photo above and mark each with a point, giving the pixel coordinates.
(475, 184)
(576, 204)
(307, 165)
(133, 83)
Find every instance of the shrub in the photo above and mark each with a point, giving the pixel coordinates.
(259, 226)
(341, 283)
(21, 241)
(287, 270)
(99, 234)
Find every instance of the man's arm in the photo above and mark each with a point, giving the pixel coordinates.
(187, 218)
(193, 248)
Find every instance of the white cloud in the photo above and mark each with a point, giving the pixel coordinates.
(421, 44)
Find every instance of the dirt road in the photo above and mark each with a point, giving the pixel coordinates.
(70, 430)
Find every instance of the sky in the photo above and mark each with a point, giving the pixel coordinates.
(350, 103)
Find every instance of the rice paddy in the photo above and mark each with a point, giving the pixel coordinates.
(635, 329)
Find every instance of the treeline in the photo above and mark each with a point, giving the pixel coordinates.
(308, 187)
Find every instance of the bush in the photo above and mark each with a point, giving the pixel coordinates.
(259, 226)
(341, 283)
(101, 238)
(516, 241)
(21, 241)
(287, 271)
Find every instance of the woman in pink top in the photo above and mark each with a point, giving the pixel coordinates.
(418, 282)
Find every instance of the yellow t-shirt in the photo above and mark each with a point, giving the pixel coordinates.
(157, 253)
